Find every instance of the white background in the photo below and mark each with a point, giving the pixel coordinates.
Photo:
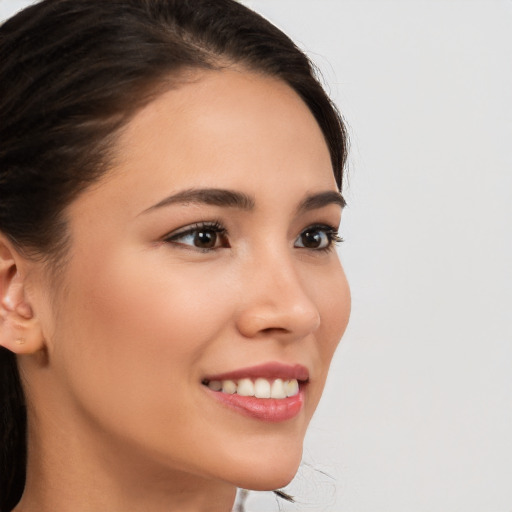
(417, 414)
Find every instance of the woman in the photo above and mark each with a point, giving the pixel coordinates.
(170, 178)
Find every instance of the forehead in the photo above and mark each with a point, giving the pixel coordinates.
(224, 115)
(224, 129)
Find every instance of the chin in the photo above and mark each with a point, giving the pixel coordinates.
(270, 484)
(267, 475)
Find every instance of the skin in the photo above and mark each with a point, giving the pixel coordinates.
(113, 358)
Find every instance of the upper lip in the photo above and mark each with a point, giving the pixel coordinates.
(272, 370)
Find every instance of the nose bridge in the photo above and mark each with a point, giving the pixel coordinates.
(277, 299)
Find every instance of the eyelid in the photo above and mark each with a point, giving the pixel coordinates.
(190, 228)
(332, 233)
(214, 226)
(322, 226)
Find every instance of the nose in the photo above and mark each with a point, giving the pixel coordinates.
(276, 302)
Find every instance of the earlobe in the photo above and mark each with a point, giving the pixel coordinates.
(20, 331)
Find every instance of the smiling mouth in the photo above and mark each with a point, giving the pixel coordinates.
(258, 388)
(264, 399)
(269, 392)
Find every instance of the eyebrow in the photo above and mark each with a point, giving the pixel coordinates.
(211, 196)
(320, 200)
(233, 199)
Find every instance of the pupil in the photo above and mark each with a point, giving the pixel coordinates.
(205, 239)
(311, 239)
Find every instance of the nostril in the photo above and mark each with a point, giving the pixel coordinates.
(274, 329)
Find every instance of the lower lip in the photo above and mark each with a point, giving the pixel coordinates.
(264, 409)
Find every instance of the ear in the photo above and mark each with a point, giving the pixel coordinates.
(20, 331)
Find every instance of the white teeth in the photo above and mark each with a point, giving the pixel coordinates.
(277, 390)
(228, 386)
(291, 387)
(260, 388)
(245, 387)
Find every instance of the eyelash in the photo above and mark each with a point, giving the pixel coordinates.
(333, 237)
(216, 227)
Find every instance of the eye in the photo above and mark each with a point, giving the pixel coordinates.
(203, 236)
(318, 237)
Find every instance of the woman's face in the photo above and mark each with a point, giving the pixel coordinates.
(204, 256)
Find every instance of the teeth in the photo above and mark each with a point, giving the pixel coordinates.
(291, 387)
(228, 386)
(216, 385)
(260, 388)
(245, 387)
(277, 390)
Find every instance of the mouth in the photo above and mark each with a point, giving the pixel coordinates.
(271, 392)
(278, 389)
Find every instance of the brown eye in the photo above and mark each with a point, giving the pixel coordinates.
(317, 237)
(205, 237)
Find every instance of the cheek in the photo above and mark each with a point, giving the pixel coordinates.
(334, 304)
(146, 304)
(136, 335)
(330, 292)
